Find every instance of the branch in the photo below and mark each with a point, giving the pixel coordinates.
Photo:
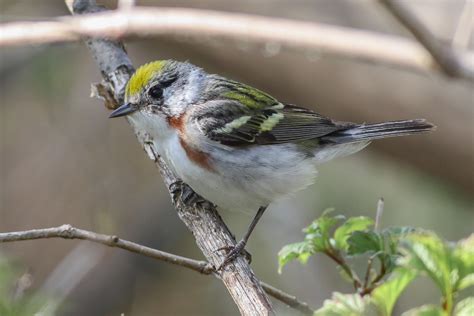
(202, 218)
(331, 40)
(202, 267)
(444, 56)
(465, 27)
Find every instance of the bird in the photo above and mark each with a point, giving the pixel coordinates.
(235, 145)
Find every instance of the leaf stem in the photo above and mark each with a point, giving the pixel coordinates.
(336, 257)
(368, 288)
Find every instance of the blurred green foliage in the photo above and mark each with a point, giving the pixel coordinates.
(14, 297)
(403, 254)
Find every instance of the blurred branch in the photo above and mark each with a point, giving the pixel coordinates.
(199, 216)
(445, 57)
(465, 25)
(125, 4)
(67, 275)
(70, 232)
(331, 40)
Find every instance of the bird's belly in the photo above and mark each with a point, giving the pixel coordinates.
(243, 179)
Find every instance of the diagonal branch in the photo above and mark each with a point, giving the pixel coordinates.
(70, 232)
(445, 57)
(202, 219)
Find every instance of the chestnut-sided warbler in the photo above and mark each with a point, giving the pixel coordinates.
(237, 146)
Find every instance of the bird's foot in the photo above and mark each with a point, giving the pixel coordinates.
(181, 190)
(233, 252)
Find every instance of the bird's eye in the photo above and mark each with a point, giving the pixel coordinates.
(155, 92)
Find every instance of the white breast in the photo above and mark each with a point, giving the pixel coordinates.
(243, 178)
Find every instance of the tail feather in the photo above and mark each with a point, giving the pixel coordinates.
(379, 130)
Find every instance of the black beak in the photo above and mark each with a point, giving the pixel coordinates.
(123, 110)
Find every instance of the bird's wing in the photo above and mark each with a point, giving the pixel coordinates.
(243, 115)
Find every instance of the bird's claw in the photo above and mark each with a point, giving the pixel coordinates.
(233, 252)
(181, 190)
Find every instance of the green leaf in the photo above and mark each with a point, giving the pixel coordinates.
(300, 251)
(463, 263)
(426, 253)
(10, 276)
(353, 224)
(426, 310)
(394, 234)
(465, 307)
(347, 305)
(324, 223)
(318, 233)
(386, 295)
(317, 239)
(466, 281)
(361, 242)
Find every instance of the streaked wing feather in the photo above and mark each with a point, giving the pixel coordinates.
(240, 115)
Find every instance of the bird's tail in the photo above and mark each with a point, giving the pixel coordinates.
(368, 132)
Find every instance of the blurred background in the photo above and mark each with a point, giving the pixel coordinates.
(62, 160)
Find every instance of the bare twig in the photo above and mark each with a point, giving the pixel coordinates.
(288, 299)
(367, 273)
(202, 219)
(378, 215)
(69, 232)
(202, 267)
(446, 58)
(332, 40)
(377, 225)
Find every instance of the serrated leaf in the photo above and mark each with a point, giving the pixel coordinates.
(463, 262)
(386, 295)
(347, 305)
(466, 281)
(361, 242)
(353, 224)
(318, 233)
(300, 251)
(427, 253)
(425, 310)
(324, 223)
(465, 307)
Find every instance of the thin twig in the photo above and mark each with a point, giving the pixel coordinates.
(288, 299)
(444, 56)
(367, 273)
(377, 225)
(325, 39)
(378, 215)
(69, 232)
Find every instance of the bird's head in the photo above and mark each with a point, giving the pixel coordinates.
(164, 87)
